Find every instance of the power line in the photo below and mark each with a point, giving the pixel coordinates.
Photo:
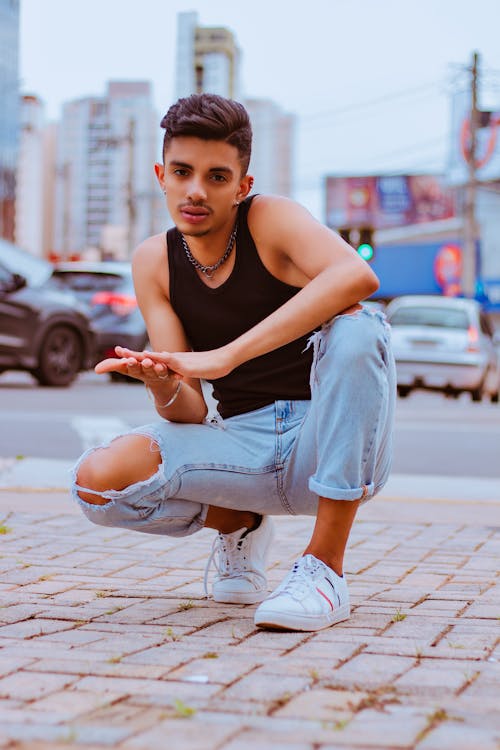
(441, 139)
(435, 142)
(366, 104)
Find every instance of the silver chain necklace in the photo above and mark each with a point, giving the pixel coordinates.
(209, 271)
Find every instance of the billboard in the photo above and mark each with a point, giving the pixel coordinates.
(386, 201)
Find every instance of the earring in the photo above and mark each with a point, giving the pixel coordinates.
(236, 203)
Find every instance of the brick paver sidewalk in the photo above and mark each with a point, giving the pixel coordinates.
(106, 640)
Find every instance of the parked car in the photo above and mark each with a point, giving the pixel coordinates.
(42, 330)
(107, 289)
(444, 344)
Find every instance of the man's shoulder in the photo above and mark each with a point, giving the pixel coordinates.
(267, 201)
(268, 207)
(273, 218)
(151, 247)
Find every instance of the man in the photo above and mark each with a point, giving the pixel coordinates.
(253, 295)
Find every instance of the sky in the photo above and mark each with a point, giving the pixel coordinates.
(369, 81)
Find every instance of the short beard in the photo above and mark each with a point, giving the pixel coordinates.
(194, 233)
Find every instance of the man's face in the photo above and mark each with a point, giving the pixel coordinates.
(202, 181)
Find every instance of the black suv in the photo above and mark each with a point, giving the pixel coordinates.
(42, 330)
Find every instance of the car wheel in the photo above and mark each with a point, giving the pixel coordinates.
(403, 391)
(60, 357)
(477, 394)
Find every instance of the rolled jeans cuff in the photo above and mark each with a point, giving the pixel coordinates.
(333, 493)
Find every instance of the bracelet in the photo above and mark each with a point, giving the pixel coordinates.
(170, 401)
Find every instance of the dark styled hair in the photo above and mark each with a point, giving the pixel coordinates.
(212, 118)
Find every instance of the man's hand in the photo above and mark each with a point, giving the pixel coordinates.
(207, 365)
(135, 365)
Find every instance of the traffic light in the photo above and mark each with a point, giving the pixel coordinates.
(366, 248)
(361, 240)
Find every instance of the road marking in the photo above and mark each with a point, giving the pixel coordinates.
(93, 431)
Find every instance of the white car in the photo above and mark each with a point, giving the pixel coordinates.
(444, 344)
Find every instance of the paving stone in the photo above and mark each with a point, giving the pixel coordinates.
(424, 677)
(323, 704)
(182, 734)
(9, 664)
(40, 745)
(261, 740)
(19, 612)
(228, 629)
(257, 687)
(151, 658)
(167, 691)
(27, 686)
(415, 627)
(34, 627)
(396, 726)
(218, 667)
(168, 656)
(98, 667)
(22, 733)
(484, 609)
(371, 670)
(456, 736)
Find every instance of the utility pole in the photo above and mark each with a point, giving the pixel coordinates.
(469, 270)
(131, 208)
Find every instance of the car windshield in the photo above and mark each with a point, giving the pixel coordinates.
(87, 281)
(440, 317)
(35, 270)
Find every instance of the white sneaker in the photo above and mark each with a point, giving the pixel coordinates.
(311, 597)
(241, 560)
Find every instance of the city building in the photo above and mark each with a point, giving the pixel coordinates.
(9, 113)
(30, 180)
(208, 59)
(271, 162)
(106, 192)
(49, 186)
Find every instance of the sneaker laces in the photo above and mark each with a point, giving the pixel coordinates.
(302, 577)
(228, 558)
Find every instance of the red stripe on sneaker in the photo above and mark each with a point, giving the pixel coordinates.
(324, 596)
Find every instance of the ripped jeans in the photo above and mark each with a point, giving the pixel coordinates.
(278, 459)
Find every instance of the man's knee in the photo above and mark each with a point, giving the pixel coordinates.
(351, 339)
(127, 460)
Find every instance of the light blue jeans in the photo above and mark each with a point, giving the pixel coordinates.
(278, 459)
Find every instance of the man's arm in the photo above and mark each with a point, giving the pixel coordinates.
(165, 331)
(300, 251)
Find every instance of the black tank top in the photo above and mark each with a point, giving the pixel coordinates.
(213, 317)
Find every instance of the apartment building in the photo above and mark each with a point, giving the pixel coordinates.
(106, 193)
(9, 113)
(209, 60)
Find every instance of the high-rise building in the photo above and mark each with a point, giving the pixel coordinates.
(208, 59)
(29, 222)
(272, 146)
(105, 185)
(9, 112)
